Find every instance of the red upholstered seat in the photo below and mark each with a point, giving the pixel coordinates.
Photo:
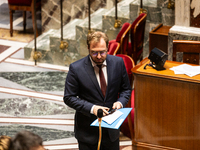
(135, 48)
(113, 48)
(123, 38)
(20, 2)
(129, 64)
(23, 5)
(127, 127)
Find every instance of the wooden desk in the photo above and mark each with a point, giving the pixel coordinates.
(167, 108)
(158, 37)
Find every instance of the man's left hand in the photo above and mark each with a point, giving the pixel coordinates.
(117, 105)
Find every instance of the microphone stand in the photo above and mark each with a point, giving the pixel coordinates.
(99, 115)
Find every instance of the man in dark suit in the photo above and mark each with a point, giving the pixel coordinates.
(86, 92)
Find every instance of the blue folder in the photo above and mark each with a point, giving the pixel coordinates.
(117, 123)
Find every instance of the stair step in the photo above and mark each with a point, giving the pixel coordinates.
(69, 34)
(69, 31)
(42, 46)
(96, 20)
(69, 54)
(42, 41)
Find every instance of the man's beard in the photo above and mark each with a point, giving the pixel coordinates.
(100, 62)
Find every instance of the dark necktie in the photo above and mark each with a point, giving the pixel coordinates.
(102, 81)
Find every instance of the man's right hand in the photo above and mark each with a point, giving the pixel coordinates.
(105, 110)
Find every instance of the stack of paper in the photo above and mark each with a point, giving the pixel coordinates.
(186, 69)
(112, 117)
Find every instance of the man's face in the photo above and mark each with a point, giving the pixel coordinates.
(98, 51)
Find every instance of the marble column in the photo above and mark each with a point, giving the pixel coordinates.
(182, 13)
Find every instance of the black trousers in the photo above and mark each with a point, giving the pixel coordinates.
(106, 144)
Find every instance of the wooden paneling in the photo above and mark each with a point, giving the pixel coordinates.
(167, 108)
(158, 37)
(190, 49)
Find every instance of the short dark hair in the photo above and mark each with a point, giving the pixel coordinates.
(95, 36)
(25, 140)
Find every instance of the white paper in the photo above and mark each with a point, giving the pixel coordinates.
(119, 123)
(112, 117)
(186, 69)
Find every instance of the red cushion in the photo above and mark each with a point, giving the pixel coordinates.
(20, 2)
(125, 127)
(135, 48)
(139, 30)
(136, 20)
(110, 42)
(124, 28)
(129, 64)
(129, 52)
(113, 46)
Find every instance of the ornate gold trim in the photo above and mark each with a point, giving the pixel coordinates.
(37, 55)
(63, 45)
(118, 23)
(171, 4)
(142, 10)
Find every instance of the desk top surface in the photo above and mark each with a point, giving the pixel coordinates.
(161, 30)
(139, 69)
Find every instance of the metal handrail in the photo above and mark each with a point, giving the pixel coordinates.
(117, 22)
(63, 44)
(35, 41)
(116, 10)
(37, 54)
(141, 6)
(142, 10)
(89, 19)
(61, 19)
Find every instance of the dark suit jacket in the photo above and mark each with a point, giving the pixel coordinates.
(82, 91)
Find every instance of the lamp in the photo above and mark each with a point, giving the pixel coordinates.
(157, 59)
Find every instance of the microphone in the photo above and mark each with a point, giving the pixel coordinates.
(99, 115)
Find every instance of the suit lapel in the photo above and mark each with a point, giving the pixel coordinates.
(110, 71)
